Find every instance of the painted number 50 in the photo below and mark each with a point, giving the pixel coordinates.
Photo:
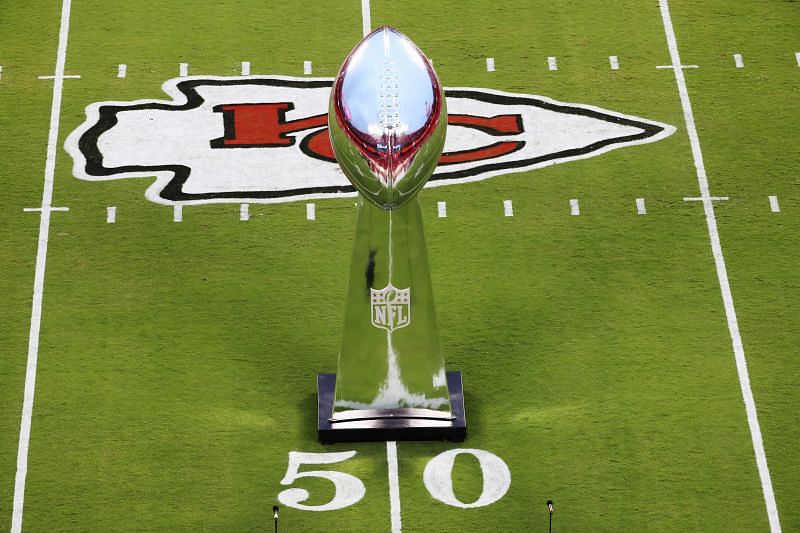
(438, 478)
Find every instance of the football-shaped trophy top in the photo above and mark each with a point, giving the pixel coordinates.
(387, 118)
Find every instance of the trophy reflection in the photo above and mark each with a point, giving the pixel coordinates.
(387, 122)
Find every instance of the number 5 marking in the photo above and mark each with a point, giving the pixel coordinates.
(348, 489)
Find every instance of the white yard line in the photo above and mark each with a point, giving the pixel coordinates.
(614, 62)
(1, 72)
(704, 198)
(38, 280)
(640, 208)
(671, 67)
(245, 68)
(244, 212)
(311, 212)
(41, 209)
(508, 208)
(574, 207)
(489, 64)
(122, 70)
(177, 213)
(442, 209)
(365, 20)
(552, 64)
(183, 70)
(773, 204)
(722, 275)
(111, 215)
(306, 67)
(797, 58)
(394, 486)
(738, 61)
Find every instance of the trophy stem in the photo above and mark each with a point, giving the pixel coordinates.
(390, 357)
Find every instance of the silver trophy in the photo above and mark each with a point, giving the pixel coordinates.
(387, 122)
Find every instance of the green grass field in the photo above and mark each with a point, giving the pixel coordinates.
(177, 361)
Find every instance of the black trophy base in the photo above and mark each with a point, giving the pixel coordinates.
(390, 424)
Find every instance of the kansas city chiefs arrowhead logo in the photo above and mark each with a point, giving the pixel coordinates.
(265, 139)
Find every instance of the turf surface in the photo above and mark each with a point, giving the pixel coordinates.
(177, 361)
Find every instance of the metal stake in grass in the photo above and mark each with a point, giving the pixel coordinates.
(550, 511)
(275, 515)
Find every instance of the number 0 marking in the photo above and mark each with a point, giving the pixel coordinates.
(438, 477)
(349, 489)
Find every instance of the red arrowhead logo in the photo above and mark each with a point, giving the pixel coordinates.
(265, 139)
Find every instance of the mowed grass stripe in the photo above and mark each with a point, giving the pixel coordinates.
(746, 121)
(29, 38)
(134, 427)
(592, 501)
(192, 407)
(21, 177)
(39, 275)
(722, 274)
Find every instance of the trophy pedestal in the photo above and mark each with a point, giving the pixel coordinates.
(390, 424)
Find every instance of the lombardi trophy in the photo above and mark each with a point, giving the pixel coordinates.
(388, 121)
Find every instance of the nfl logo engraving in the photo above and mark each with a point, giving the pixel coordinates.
(390, 307)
